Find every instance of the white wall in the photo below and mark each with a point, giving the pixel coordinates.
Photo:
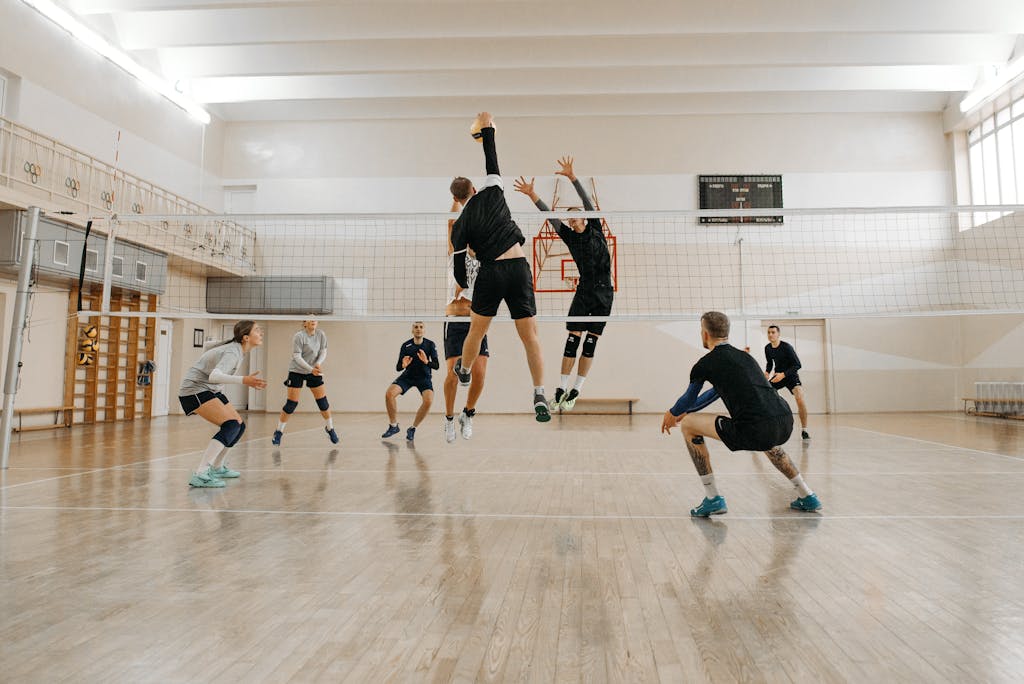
(639, 162)
(70, 93)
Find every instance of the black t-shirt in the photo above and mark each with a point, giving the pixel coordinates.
(417, 370)
(740, 383)
(486, 225)
(589, 250)
(783, 358)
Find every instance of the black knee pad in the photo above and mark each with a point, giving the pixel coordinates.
(289, 406)
(697, 440)
(589, 344)
(241, 431)
(229, 431)
(572, 343)
(322, 403)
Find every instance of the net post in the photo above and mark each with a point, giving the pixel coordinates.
(108, 265)
(18, 325)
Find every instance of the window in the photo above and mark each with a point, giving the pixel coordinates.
(995, 154)
(61, 251)
(3, 94)
(117, 267)
(92, 260)
(140, 271)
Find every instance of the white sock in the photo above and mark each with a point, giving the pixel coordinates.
(330, 423)
(213, 450)
(564, 383)
(280, 427)
(801, 486)
(394, 424)
(578, 385)
(222, 457)
(538, 390)
(710, 490)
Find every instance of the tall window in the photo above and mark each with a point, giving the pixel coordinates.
(996, 157)
(3, 93)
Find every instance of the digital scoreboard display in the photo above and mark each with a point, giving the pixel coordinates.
(740, 192)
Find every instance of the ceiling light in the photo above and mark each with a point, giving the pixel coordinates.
(993, 86)
(92, 39)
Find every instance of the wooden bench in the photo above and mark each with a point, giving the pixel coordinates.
(582, 404)
(973, 411)
(67, 412)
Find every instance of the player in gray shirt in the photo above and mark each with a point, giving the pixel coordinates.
(309, 349)
(201, 393)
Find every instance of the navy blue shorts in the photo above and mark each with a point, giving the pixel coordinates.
(454, 337)
(296, 380)
(422, 385)
(191, 402)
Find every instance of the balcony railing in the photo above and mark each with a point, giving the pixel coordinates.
(38, 169)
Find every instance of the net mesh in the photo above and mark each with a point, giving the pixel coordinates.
(817, 263)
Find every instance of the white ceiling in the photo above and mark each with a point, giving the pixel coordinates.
(298, 60)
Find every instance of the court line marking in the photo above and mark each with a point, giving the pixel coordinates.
(116, 467)
(528, 516)
(591, 473)
(925, 441)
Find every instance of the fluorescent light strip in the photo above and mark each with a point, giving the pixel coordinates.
(990, 88)
(92, 39)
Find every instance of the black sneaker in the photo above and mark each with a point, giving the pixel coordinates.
(540, 407)
(464, 376)
(804, 436)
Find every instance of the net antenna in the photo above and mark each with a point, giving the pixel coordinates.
(554, 269)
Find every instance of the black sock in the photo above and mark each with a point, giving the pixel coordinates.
(469, 412)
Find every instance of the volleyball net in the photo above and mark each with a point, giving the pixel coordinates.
(665, 265)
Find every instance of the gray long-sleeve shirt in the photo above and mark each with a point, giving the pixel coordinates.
(307, 351)
(224, 357)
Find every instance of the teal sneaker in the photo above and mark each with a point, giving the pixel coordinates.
(204, 480)
(222, 472)
(709, 507)
(806, 503)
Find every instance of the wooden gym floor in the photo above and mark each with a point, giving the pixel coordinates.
(559, 552)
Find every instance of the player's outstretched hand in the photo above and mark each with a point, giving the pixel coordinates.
(485, 120)
(566, 170)
(522, 186)
(253, 381)
(669, 422)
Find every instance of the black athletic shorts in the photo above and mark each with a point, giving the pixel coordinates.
(296, 380)
(405, 383)
(191, 402)
(789, 382)
(509, 280)
(454, 337)
(761, 435)
(595, 300)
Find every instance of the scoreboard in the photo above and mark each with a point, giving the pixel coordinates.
(740, 192)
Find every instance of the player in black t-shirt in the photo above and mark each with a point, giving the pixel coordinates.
(782, 369)
(486, 227)
(417, 358)
(594, 291)
(758, 420)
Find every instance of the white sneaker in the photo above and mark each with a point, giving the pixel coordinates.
(466, 423)
(449, 430)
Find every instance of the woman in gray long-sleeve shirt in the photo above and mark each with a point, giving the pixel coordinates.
(201, 394)
(309, 349)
